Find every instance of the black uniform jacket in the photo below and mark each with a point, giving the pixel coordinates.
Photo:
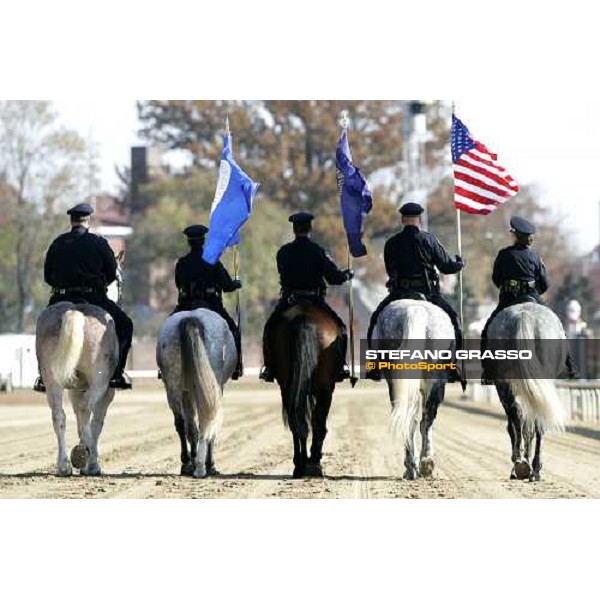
(412, 253)
(80, 259)
(522, 264)
(304, 265)
(191, 271)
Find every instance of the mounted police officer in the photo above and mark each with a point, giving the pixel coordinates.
(304, 271)
(200, 285)
(521, 276)
(79, 267)
(411, 257)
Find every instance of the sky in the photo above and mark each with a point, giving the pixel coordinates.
(552, 144)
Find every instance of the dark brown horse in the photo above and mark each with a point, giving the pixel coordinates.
(306, 349)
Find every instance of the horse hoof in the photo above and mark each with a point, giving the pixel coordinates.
(79, 456)
(522, 469)
(212, 470)
(298, 473)
(535, 477)
(187, 469)
(427, 467)
(314, 470)
(199, 473)
(92, 470)
(513, 475)
(64, 471)
(411, 474)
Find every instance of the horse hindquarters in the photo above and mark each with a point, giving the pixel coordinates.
(201, 390)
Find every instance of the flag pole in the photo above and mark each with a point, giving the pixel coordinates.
(460, 275)
(236, 255)
(344, 121)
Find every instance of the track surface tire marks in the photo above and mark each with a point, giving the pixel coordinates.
(140, 452)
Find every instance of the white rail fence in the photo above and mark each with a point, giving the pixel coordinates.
(581, 399)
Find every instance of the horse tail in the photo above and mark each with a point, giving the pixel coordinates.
(304, 354)
(70, 344)
(198, 378)
(406, 391)
(537, 396)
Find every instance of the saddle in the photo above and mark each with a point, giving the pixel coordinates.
(291, 297)
(197, 303)
(409, 295)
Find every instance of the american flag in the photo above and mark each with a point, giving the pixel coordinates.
(480, 183)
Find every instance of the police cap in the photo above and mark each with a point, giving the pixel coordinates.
(80, 210)
(195, 231)
(519, 225)
(411, 209)
(301, 217)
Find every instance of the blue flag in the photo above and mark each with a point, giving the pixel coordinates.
(231, 207)
(355, 196)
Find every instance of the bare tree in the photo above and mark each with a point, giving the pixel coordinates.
(43, 168)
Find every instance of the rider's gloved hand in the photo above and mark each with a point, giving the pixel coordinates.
(461, 261)
(349, 273)
(237, 284)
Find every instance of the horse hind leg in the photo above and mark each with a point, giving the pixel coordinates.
(99, 411)
(187, 466)
(93, 400)
(536, 474)
(319, 432)
(430, 409)
(521, 468)
(81, 452)
(300, 455)
(197, 444)
(410, 454)
(59, 422)
(211, 465)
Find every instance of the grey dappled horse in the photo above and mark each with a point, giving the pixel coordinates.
(196, 356)
(531, 404)
(404, 320)
(77, 349)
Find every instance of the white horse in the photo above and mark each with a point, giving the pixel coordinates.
(196, 356)
(528, 391)
(77, 349)
(415, 324)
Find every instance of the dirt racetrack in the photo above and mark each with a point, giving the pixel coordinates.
(140, 452)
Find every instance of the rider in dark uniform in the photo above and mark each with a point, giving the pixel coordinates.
(200, 285)
(304, 270)
(411, 257)
(521, 276)
(79, 267)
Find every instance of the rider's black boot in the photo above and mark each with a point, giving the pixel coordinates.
(121, 381)
(39, 385)
(266, 375)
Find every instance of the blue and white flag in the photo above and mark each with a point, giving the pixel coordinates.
(355, 196)
(231, 207)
